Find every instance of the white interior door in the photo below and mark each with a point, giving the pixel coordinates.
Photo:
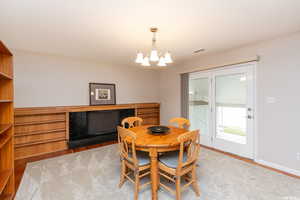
(222, 106)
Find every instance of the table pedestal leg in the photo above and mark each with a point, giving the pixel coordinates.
(154, 173)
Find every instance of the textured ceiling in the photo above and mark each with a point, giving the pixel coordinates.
(113, 30)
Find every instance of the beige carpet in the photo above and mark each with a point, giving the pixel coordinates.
(94, 175)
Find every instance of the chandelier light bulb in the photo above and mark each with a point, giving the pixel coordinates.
(139, 58)
(161, 62)
(146, 61)
(168, 58)
(154, 56)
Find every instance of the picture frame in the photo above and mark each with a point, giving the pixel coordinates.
(102, 94)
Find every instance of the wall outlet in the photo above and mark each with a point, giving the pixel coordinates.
(271, 100)
(298, 156)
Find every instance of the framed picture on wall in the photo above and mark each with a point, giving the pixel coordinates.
(102, 94)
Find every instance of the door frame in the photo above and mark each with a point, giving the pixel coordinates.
(208, 73)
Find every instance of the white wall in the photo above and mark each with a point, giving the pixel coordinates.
(278, 75)
(45, 80)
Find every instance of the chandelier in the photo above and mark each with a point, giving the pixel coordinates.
(161, 59)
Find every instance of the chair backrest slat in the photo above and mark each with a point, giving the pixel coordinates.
(127, 145)
(181, 122)
(131, 122)
(190, 142)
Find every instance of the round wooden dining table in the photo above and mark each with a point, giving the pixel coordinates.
(154, 144)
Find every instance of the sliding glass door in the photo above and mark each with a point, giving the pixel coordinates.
(221, 105)
(199, 105)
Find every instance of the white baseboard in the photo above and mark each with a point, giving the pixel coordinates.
(279, 167)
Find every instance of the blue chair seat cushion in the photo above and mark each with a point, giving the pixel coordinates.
(170, 159)
(143, 157)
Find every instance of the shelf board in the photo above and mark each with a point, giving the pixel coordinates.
(4, 139)
(5, 174)
(5, 76)
(4, 127)
(7, 197)
(40, 122)
(4, 49)
(5, 101)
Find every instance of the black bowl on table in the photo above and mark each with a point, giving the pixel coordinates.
(157, 130)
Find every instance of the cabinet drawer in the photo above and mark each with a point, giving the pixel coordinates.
(150, 121)
(150, 115)
(39, 149)
(21, 130)
(43, 118)
(142, 111)
(39, 137)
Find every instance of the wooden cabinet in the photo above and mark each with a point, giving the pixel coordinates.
(7, 188)
(149, 114)
(37, 134)
(45, 130)
(149, 118)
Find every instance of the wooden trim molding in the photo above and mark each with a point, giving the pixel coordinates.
(82, 108)
(263, 164)
(216, 66)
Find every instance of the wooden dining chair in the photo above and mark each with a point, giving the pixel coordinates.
(132, 162)
(181, 122)
(181, 164)
(131, 122)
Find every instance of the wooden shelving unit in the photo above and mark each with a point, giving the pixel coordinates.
(5, 174)
(7, 185)
(4, 140)
(6, 197)
(4, 127)
(5, 76)
(6, 101)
